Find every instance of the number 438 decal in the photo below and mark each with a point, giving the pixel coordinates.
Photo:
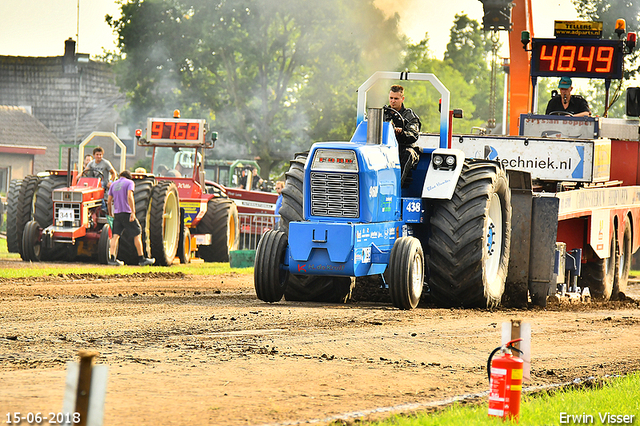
(414, 206)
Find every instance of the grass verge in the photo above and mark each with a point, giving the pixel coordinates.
(42, 270)
(600, 400)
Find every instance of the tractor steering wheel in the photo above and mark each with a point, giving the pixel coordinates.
(93, 173)
(391, 114)
(563, 113)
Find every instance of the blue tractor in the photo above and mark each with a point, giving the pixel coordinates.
(345, 215)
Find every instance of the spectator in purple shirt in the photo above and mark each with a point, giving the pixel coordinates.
(122, 207)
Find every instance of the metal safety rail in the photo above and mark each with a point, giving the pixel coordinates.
(252, 226)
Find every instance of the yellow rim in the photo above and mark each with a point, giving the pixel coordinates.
(171, 224)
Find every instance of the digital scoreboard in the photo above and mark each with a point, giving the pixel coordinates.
(175, 130)
(588, 58)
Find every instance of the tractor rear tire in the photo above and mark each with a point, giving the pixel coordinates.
(164, 222)
(43, 211)
(624, 264)
(26, 197)
(406, 273)
(104, 250)
(471, 238)
(291, 209)
(142, 198)
(599, 275)
(269, 274)
(13, 236)
(31, 242)
(221, 221)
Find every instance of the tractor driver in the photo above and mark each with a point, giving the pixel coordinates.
(101, 168)
(567, 103)
(408, 134)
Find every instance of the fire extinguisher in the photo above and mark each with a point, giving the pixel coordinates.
(505, 381)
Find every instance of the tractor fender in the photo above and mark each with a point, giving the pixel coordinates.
(440, 183)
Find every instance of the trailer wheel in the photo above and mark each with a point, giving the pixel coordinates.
(31, 242)
(600, 274)
(221, 221)
(184, 247)
(406, 273)
(470, 239)
(26, 197)
(624, 264)
(43, 209)
(142, 198)
(269, 274)
(13, 236)
(164, 222)
(104, 250)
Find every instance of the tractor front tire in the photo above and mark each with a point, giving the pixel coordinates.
(104, 249)
(221, 221)
(164, 222)
(184, 247)
(13, 236)
(31, 242)
(471, 238)
(269, 274)
(26, 197)
(406, 273)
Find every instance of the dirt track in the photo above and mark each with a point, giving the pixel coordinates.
(202, 351)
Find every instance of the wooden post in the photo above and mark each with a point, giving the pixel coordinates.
(84, 384)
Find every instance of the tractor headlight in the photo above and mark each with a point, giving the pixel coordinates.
(444, 162)
(334, 160)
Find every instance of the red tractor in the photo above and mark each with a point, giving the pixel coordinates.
(62, 214)
(197, 217)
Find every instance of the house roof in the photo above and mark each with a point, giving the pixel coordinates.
(21, 130)
(100, 117)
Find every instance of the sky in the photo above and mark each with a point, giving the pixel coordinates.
(40, 27)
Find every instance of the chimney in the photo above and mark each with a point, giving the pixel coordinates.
(69, 48)
(69, 65)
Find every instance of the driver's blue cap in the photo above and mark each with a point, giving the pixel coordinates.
(565, 83)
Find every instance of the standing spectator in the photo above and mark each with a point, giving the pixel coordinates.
(122, 207)
(279, 188)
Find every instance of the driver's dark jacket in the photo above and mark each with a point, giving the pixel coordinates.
(577, 104)
(411, 131)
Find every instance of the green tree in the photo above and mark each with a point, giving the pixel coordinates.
(273, 76)
(424, 99)
(469, 52)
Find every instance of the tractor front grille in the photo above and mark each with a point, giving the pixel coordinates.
(334, 194)
(76, 213)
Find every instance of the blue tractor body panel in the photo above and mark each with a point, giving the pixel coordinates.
(341, 249)
(353, 207)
